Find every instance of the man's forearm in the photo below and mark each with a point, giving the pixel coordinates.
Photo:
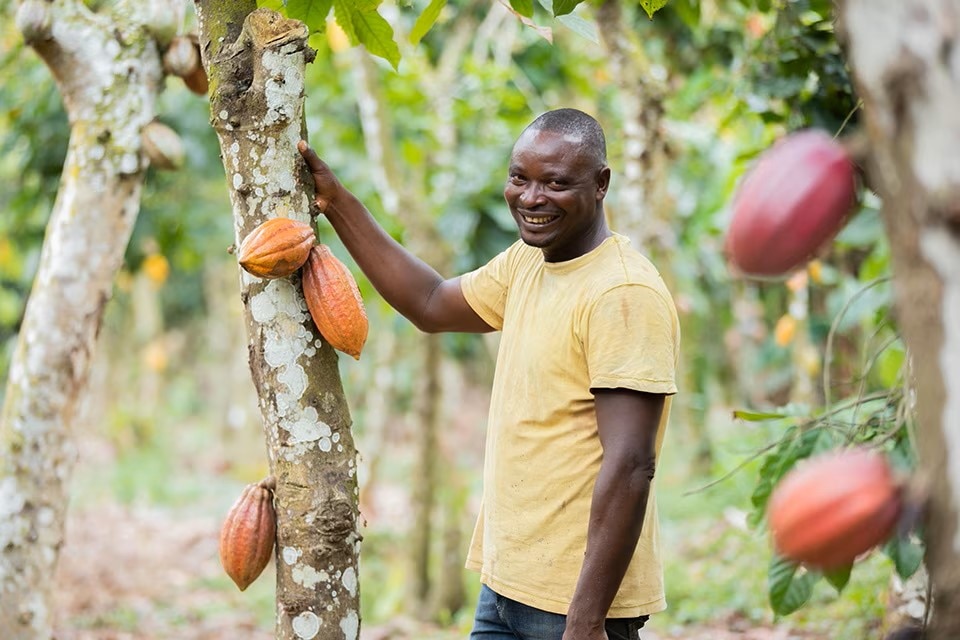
(616, 519)
(404, 281)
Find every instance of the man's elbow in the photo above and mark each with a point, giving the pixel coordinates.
(639, 469)
(427, 324)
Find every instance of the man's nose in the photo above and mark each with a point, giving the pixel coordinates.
(532, 195)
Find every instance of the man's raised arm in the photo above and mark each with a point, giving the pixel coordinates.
(408, 284)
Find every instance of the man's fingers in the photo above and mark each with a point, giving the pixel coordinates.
(313, 161)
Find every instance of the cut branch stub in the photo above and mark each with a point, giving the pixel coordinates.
(250, 79)
(33, 20)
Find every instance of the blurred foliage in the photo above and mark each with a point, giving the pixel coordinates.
(738, 74)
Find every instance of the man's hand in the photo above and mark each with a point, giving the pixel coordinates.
(328, 188)
(573, 633)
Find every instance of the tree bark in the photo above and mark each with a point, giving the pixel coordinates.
(643, 192)
(906, 63)
(255, 60)
(108, 71)
(407, 197)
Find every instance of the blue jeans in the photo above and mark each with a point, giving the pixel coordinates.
(500, 618)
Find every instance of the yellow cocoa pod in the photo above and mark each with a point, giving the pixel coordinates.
(276, 248)
(248, 533)
(334, 301)
(815, 269)
(157, 268)
(785, 330)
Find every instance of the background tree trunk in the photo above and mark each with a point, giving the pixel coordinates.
(108, 71)
(417, 205)
(642, 211)
(906, 61)
(255, 60)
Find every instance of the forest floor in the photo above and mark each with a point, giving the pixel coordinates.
(157, 577)
(140, 559)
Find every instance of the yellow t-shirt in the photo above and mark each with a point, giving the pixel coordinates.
(603, 320)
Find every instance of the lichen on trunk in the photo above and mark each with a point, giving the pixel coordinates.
(255, 60)
(108, 72)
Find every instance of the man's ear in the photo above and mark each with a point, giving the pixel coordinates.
(603, 183)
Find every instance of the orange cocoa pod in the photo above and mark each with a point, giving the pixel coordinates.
(334, 301)
(276, 248)
(248, 533)
(830, 509)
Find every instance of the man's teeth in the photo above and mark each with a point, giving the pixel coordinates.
(532, 220)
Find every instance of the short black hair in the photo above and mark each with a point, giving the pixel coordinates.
(574, 122)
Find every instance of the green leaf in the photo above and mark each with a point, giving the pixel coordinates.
(781, 460)
(581, 27)
(361, 22)
(276, 5)
(523, 7)
(312, 13)
(889, 364)
(906, 553)
(426, 20)
(839, 578)
(756, 416)
(688, 11)
(563, 7)
(652, 6)
(790, 585)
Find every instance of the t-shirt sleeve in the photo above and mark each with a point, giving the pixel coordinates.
(485, 289)
(632, 340)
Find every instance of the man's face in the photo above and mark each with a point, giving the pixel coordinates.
(554, 191)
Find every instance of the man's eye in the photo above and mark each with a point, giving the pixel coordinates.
(556, 184)
(516, 180)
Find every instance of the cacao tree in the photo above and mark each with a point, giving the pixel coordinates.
(108, 71)
(905, 65)
(255, 59)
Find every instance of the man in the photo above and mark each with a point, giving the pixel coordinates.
(566, 542)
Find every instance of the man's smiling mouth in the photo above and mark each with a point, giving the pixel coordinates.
(538, 220)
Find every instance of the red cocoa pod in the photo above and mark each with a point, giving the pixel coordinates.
(794, 200)
(334, 301)
(830, 509)
(276, 248)
(248, 533)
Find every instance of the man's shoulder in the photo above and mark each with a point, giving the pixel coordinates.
(623, 264)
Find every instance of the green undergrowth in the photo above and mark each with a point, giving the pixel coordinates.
(715, 564)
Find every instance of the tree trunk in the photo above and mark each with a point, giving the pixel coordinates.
(906, 63)
(406, 196)
(256, 60)
(108, 72)
(640, 209)
(641, 206)
(430, 402)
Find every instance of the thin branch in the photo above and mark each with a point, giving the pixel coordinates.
(828, 350)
